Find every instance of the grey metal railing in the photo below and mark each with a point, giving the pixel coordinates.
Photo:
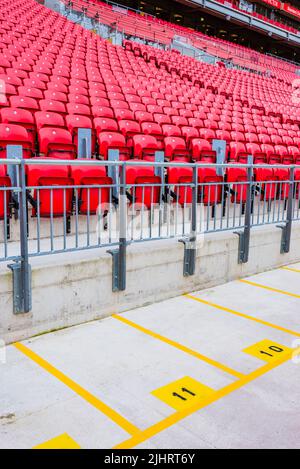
(141, 201)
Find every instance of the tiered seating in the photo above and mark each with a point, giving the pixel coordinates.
(136, 99)
(153, 29)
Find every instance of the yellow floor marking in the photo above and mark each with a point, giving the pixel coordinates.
(267, 350)
(63, 441)
(179, 346)
(276, 290)
(290, 269)
(180, 415)
(183, 393)
(86, 395)
(242, 315)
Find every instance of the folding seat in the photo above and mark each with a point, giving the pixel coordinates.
(54, 202)
(29, 92)
(251, 137)
(210, 187)
(201, 149)
(123, 114)
(169, 111)
(75, 122)
(90, 199)
(116, 96)
(286, 140)
(235, 176)
(11, 134)
(186, 113)
(82, 109)
(209, 124)
(141, 192)
(135, 107)
(170, 130)
(52, 106)
(154, 109)
(180, 179)
(24, 102)
(102, 111)
(104, 124)
(143, 116)
(56, 143)
(276, 139)
(189, 133)
(296, 141)
(98, 95)
(78, 89)
(191, 107)
(161, 119)
(195, 122)
(175, 148)
(237, 136)
(225, 126)
(293, 151)
(21, 117)
(253, 148)
(148, 101)
(207, 134)
(78, 99)
(129, 128)
(179, 121)
(113, 141)
(223, 135)
(144, 146)
(117, 103)
(200, 115)
(48, 119)
(235, 149)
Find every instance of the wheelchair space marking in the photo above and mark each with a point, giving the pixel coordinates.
(183, 393)
(268, 350)
(63, 441)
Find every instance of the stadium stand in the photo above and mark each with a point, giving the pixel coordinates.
(137, 99)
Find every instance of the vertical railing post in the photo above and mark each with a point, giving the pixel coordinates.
(287, 228)
(123, 230)
(189, 262)
(119, 255)
(244, 236)
(22, 270)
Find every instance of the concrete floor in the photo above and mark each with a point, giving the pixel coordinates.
(101, 384)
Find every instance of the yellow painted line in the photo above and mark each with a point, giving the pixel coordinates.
(63, 441)
(178, 416)
(276, 290)
(86, 395)
(242, 315)
(290, 269)
(179, 346)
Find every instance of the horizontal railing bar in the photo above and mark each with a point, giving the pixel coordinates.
(93, 162)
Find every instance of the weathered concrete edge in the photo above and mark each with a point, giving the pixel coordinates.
(75, 288)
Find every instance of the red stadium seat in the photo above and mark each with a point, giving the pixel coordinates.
(11, 134)
(56, 143)
(54, 202)
(90, 200)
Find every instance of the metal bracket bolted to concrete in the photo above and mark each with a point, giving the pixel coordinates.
(287, 227)
(189, 259)
(19, 293)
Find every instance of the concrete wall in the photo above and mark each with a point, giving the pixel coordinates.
(74, 288)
